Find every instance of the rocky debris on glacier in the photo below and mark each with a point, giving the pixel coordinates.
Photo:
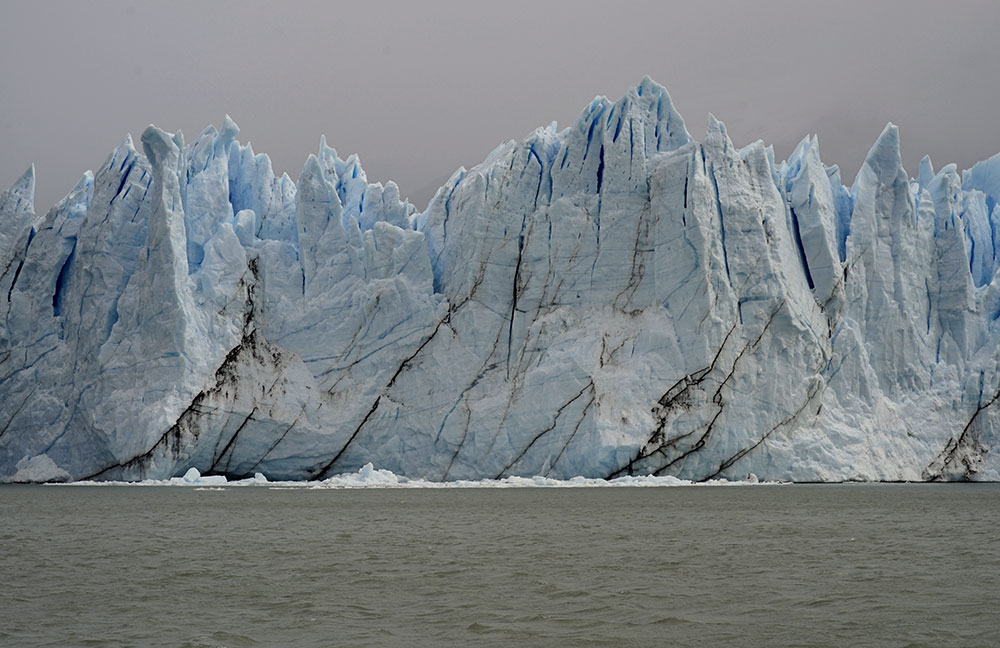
(610, 299)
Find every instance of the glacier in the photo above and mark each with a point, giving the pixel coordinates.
(608, 300)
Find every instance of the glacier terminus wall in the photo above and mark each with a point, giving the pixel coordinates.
(610, 299)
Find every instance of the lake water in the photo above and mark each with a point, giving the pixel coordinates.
(803, 565)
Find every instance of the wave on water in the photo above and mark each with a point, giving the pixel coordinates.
(370, 477)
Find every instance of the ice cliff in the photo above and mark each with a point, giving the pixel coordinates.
(610, 299)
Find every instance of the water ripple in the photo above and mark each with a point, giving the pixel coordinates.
(893, 565)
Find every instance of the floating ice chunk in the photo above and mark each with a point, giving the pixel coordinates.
(193, 477)
(39, 468)
(366, 477)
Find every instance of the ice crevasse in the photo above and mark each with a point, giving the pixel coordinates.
(610, 299)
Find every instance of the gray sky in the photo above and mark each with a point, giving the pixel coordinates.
(420, 88)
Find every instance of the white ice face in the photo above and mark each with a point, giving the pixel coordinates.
(611, 299)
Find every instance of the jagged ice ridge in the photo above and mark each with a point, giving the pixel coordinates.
(611, 299)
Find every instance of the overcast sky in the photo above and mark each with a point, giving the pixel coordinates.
(421, 88)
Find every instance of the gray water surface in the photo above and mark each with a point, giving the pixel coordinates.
(832, 565)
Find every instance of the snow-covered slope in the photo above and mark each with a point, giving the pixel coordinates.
(610, 299)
